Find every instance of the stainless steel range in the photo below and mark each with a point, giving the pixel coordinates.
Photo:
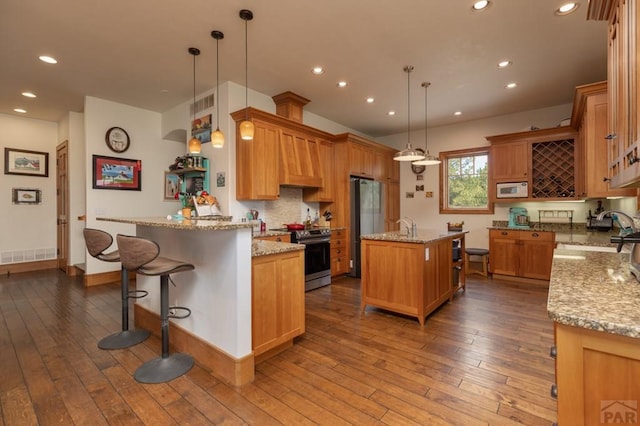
(317, 260)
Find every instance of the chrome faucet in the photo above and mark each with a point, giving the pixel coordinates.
(617, 214)
(412, 230)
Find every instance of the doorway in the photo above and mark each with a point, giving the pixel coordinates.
(62, 205)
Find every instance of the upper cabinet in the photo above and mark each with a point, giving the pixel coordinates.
(623, 78)
(590, 118)
(282, 152)
(360, 160)
(544, 159)
(257, 162)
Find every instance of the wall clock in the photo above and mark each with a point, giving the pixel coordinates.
(418, 169)
(117, 139)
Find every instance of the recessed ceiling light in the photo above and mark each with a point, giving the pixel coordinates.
(342, 84)
(20, 110)
(370, 100)
(504, 64)
(317, 70)
(164, 90)
(28, 94)
(567, 8)
(480, 5)
(511, 85)
(457, 113)
(48, 59)
(391, 113)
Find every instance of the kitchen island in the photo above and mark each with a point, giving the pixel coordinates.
(594, 302)
(411, 275)
(218, 334)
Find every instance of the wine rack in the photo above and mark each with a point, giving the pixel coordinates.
(553, 166)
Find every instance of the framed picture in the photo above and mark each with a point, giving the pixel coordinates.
(29, 163)
(201, 128)
(26, 196)
(171, 186)
(116, 173)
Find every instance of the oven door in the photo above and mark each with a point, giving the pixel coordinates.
(317, 264)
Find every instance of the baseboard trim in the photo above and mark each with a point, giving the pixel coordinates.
(15, 268)
(235, 371)
(520, 279)
(105, 278)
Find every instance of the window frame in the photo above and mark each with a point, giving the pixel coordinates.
(444, 181)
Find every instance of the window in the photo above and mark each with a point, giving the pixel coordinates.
(464, 187)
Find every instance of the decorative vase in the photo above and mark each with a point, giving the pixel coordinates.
(186, 213)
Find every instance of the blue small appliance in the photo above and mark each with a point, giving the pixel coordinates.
(518, 217)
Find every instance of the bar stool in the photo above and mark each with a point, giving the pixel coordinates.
(484, 255)
(97, 242)
(141, 255)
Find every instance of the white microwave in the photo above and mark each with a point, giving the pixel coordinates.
(512, 190)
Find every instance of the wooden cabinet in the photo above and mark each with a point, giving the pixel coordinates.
(277, 307)
(339, 252)
(327, 159)
(510, 162)
(408, 278)
(282, 152)
(590, 118)
(257, 176)
(545, 159)
(596, 374)
(361, 159)
(623, 77)
(299, 159)
(385, 168)
(521, 253)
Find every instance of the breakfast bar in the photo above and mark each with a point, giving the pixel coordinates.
(218, 291)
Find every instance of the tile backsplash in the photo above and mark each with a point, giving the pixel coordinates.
(287, 209)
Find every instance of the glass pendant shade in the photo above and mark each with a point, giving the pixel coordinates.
(217, 139)
(409, 153)
(195, 146)
(247, 130)
(246, 127)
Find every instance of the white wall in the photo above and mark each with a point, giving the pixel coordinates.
(28, 227)
(425, 211)
(156, 154)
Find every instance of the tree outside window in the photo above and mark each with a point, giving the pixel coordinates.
(464, 187)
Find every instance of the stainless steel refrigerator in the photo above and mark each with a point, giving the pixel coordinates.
(367, 216)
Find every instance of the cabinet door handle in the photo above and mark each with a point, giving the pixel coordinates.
(535, 234)
(553, 352)
(611, 136)
(554, 391)
(338, 251)
(278, 239)
(504, 233)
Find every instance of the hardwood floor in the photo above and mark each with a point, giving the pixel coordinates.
(483, 359)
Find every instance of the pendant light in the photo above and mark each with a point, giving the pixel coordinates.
(428, 160)
(217, 137)
(408, 154)
(195, 146)
(246, 127)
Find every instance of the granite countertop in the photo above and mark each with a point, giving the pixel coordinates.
(594, 290)
(271, 233)
(186, 224)
(265, 248)
(425, 236)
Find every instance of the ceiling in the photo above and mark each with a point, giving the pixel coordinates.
(135, 53)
